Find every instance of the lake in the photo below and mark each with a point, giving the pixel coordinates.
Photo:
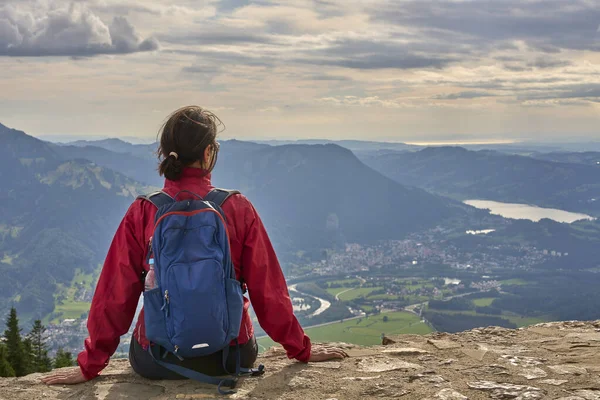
(524, 211)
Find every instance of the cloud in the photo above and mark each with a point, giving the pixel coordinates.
(204, 69)
(216, 35)
(549, 63)
(549, 24)
(271, 109)
(416, 65)
(587, 91)
(67, 31)
(464, 95)
(361, 101)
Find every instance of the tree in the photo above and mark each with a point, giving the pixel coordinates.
(14, 345)
(385, 318)
(6, 370)
(63, 359)
(28, 356)
(41, 362)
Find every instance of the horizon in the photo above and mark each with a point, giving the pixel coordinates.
(66, 139)
(412, 71)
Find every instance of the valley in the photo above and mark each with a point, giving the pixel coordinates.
(409, 262)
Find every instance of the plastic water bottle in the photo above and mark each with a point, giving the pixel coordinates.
(150, 281)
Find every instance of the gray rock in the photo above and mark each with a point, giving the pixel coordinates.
(554, 382)
(523, 361)
(507, 390)
(444, 344)
(447, 362)
(571, 398)
(476, 354)
(376, 365)
(588, 336)
(427, 377)
(405, 351)
(327, 365)
(450, 394)
(533, 373)
(566, 369)
(588, 394)
(361, 378)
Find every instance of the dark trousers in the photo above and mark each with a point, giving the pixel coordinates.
(143, 364)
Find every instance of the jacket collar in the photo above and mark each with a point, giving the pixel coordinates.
(191, 178)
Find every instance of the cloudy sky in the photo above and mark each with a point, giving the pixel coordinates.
(402, 70)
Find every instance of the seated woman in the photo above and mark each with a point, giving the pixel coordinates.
(188, 153)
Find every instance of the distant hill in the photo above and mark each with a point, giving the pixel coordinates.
(117, 146)
(57, 215)
(308, 195)
(490, 175)
(354, 145)
(585, 157)
(138, 162)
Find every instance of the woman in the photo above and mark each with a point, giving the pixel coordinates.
(188, 152)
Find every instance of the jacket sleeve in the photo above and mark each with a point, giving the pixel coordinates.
(268, 291)
(117, 293)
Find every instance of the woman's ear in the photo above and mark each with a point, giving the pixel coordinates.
(208, 156)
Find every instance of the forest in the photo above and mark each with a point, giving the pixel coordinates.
(23, 355)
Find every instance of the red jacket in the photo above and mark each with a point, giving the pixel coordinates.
(120, 286)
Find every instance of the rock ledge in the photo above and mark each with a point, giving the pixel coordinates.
(546, 361)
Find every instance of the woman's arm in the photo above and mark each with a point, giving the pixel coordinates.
(115, 299)
(268, 290)
(117, 293)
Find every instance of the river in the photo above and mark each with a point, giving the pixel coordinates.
(524, 211)
(324, 303)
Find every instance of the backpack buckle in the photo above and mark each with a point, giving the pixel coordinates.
(258, 371)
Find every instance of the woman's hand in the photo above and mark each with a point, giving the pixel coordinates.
(67, 376)
(323, 353)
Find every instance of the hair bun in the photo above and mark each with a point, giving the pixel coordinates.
(171, 167)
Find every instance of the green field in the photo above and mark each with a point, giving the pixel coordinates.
(335, 291)
(358, 292)
(514, 318)
(365, 331)
(65, 305)
(524, 321)
(71, 309)
(485, 302)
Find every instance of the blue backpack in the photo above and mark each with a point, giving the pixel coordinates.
(195, 306)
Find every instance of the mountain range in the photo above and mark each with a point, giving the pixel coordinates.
(64, 202)
(283, 180)
(585, 157)
(58, 214)
(490, 175)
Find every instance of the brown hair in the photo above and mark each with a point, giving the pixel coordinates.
(184, 139)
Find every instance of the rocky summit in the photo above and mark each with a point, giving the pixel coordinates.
(547, 361)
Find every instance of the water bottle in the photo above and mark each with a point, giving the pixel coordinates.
(150, 281)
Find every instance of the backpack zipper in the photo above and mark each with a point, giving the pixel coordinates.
(166, 303)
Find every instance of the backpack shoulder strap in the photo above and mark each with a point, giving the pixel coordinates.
(219, 196)
(159, 198)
